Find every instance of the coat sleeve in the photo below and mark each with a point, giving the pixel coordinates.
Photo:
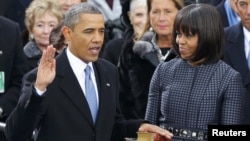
(233, 103)
(154, 97)
(26, 116)
(14, 70)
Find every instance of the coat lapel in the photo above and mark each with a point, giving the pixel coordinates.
(71, 87)
(236, 51)
(104, 89)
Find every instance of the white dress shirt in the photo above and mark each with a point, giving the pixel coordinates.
(78, 67)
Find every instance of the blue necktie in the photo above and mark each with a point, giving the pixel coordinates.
(90, 93)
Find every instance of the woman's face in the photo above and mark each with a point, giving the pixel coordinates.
(162, 15)
(138, 18)
(187, 44)
(66, 4)
(42, 27)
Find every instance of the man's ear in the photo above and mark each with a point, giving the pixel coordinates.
(66, 33)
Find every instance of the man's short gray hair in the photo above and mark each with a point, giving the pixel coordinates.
(72, 16)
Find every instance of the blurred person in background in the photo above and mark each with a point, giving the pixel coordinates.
(15, 10)
(237, 48)
(134, 17)
(12, 67)
(136, 68)
(211, 2)
(41, 17)
(66, 4)
(228, 13)
(138, 16)
(57, 39)
(111, 10)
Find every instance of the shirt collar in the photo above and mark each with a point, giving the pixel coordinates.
(77, 64)
(246, 34)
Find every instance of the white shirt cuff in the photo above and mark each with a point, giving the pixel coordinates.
(39, 92)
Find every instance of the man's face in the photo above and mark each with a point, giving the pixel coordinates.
(86, 39)
(243, 8)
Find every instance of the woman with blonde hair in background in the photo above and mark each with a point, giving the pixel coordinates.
(40, 18)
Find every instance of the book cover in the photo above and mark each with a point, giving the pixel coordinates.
(145, 136)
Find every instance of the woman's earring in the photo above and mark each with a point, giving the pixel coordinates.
(31, 36)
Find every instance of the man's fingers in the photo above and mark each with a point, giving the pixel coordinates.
(48, 54)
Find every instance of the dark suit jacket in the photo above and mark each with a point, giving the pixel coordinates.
(221, 9)
(15, 10)
(212, 2)
(62, 113)
(4, 4)
(234, 55)
(112, 50)
(12, 62)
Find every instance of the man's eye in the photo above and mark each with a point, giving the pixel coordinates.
(102, 30)
(87, 31)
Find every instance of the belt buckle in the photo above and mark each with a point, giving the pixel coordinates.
(194, 135)
(200, 136)
(176, 131)
(185, 133)
(171, 129)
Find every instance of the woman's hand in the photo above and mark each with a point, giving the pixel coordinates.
(160, 134)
